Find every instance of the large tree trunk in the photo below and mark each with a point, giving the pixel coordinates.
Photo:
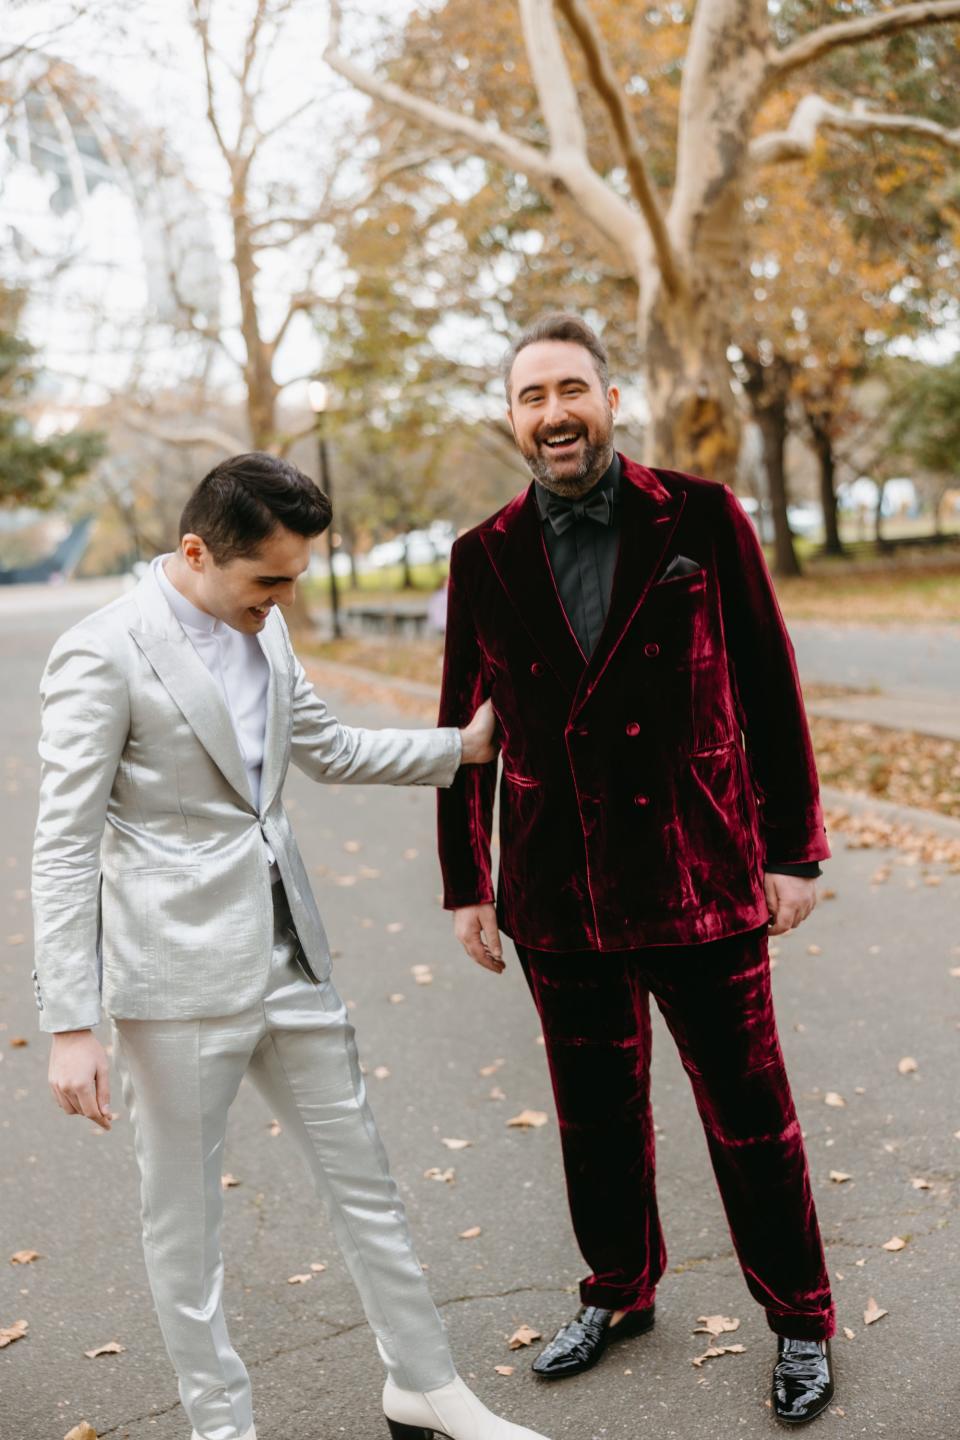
(768, 389)
(823, 445)
(694, 421)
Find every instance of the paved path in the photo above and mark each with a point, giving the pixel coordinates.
(879, 989)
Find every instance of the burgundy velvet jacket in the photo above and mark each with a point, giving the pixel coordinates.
(642, 789)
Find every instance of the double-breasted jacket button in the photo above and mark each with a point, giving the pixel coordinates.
(581, 730)
(651, 649)
(641, 799)
(537, 668)
(633, 729)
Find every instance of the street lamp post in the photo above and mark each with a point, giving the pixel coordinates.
(319, 396)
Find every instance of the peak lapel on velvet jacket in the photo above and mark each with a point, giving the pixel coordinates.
(649, 515)
(189, 683)
(517, 552)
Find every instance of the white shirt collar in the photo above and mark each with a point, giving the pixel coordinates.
(186, 612)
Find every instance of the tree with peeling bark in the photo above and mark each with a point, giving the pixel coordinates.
(681, 236)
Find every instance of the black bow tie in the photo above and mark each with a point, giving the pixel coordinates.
(563, 513)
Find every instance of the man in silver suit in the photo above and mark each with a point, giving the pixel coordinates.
(169, 894)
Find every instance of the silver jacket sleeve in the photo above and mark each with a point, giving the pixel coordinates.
(342, 754)
(85, 719)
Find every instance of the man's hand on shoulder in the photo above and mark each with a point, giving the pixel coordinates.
(790, 899)
(478, 737)
(475, 926)
(79, 1076)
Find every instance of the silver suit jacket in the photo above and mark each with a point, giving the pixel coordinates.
(151, 888)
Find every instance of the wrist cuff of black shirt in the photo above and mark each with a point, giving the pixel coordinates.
(806, 869)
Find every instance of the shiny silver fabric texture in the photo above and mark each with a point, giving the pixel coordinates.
(297, 1047)
(150, 856)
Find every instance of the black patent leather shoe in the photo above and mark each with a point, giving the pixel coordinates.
(802, 1380)
(580, 1343)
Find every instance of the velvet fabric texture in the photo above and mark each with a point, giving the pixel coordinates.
(643, 786)
(716, 1001)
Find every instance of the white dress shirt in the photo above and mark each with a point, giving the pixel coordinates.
(239, 668)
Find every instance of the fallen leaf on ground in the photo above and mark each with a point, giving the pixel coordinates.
(895, 1244)
(528, 1120)
(83, 1431)
(907, 1065)
(112, 1347)
(487, 1070)
(919, 1183)
(298, 1279)
(410, 854)
(275, 1127)
(873, 1313)
(456, 1144)
(318, 1267)
(848, 1332)
(396, 998)
(24, 1257)
(382, 1072)
(504, 1369)
(716, 1350)
(16, 1331)
(840, 1177)
(523, 1335)
(471, 1234)
(955, 971)
(394, 927)
(497, 1094)
(833, 1098)
(716, 1325)
(229, 1182)
(367, 872)
(352, 847)
(424, 978)
(17, 1042)
(435, 1173)
(16, 939)
(814, 950)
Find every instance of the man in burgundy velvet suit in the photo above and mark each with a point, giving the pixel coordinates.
(659, 817)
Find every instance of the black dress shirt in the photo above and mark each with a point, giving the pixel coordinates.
(583, 552)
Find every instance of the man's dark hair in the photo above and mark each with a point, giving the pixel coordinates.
(243, 500)
(560, 325)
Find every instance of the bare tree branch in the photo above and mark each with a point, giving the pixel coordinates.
(814, 113)
(304, 301)
(210, 435)
(202, 27)
(564, 169)
(821, 41)
(604, 79)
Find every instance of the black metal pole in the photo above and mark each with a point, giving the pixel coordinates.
(327, 487)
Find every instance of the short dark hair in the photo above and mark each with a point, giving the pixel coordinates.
(243, 500)
(559, 325)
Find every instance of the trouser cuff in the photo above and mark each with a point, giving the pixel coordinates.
(795, 1326)
(615, 1297)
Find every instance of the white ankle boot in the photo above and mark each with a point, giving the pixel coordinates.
(451, 1413)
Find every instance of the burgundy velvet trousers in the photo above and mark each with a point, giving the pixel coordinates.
(716, 1001)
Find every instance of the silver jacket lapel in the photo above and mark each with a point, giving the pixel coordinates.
(276, 742)
(189, 683)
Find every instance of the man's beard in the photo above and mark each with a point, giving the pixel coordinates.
(594, 462)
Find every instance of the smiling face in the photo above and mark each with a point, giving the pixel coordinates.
(561, 416)
(243, 591)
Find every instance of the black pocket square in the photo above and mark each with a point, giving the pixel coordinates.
(679, 565)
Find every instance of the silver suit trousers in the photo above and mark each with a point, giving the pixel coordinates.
(179, 1080)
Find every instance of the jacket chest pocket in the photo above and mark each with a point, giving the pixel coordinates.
(674, 624)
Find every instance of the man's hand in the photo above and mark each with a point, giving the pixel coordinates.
(477, 737)
(475, 926)
(79, 1076)
(790, 899)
